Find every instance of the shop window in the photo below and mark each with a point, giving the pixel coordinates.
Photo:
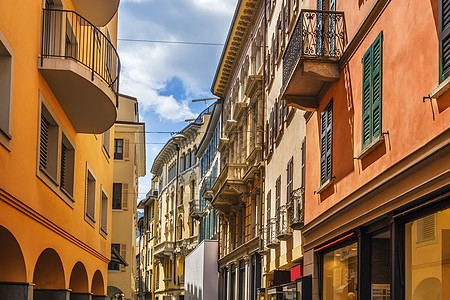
(90, 194)
(6, 87)
(340, 273)
(427, 257)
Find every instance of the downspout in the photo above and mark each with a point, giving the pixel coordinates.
(177, 148)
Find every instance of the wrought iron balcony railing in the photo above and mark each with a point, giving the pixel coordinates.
(271, 234)
(317, 34)
(262, 248)
(66, 34)
(194, 209)
(206, 188)
(283, 230)
(296, 209)
(157, 284)
(180, 279)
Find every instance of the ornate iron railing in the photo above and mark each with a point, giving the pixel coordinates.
(206, 188)
(271, 234)
(262, 248)
(296, 209)
(317, 34)
(157, 284)
(283, 230)
(66, 34)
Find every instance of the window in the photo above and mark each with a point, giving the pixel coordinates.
(120, 196)
(289, 175)
(427, 256)
(340, 273)
(303, 164)
(326, 142)
(118, 148)
(104, 213)
(278, 194)
(90, 194)
(67, 166)
(372, 90)
(106, 141)
(114, 266)
(48, 144)
(444, 36)
(6, 87)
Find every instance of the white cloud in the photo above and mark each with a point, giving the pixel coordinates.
(147, 68)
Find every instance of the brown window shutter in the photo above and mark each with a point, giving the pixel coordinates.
(123, 253)
(125, 196)
(126, 149)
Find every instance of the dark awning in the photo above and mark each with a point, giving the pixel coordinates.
(116, 258)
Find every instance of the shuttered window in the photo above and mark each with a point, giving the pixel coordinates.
(289, 175)
(123, 253)
(118, 149)
(117, 196)
(372, 92)
(67, 166)
(125, 196)
(48, 144)
(444, 37)
(269, 208)
(104, 213)
(326, 142)
(303, 164)
(271, 132)
(267, 137)
(275, 120)
(90, 194)
(278, 193)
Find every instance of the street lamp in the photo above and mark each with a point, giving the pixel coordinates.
(177, 139)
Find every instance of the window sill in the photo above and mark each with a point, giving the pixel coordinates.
(51, 183)
(89, 220)
(103, 233)
(324, 186)
(5, 139)
(369, 148)
(440, 89)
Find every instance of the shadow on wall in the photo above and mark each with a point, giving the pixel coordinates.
(193, 293)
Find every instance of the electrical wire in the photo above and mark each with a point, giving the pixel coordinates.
(172, 42)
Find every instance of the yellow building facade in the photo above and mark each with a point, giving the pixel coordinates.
(129, 165)
(58, 96)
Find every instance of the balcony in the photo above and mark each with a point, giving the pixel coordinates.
(157, 284)
(194, 209)
(271, 234)
(99, 12)
(283, 230)
(311, 59)
(81, 67)
(206, 188)
(229, 187)
(163, 250)
(297, 213)
(262, 248)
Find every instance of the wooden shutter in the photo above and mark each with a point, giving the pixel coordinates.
(285, 111)
(125, 196)
(267, 137)
(274, 54)
(289, 175)
(123, 253)
(444, 37)
(63, 172)
(367, 98)
(275, 119)
(372, 92)
(287, 16)
(303, 163)
(326, 142)
(377, 56)
(280, 115)
(271, 131)
(43, 145)
(278, 193)
(126, 149)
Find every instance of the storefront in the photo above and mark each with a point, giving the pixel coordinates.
(404, 255)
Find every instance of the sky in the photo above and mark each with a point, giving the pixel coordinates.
(165, 77)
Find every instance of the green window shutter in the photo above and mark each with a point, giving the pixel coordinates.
(329, 138)
(444, 37)
(367, 98)
(372, 91)
(377, 55)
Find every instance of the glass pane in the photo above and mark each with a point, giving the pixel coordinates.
(380, 263)
(427, 257)
(340, 273)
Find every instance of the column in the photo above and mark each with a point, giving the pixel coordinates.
(16, 290)
(248, 278)
(49, 294)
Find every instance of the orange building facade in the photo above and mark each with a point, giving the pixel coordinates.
(59, 76)
(372, 77)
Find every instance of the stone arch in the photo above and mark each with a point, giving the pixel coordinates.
(12, 263)
(98, 285)
(49, 271)
(79, 279)
(429, 288)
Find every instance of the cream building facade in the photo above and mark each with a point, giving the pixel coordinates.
(129, 165)
(176, 231)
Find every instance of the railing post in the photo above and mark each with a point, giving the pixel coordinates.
(93, 52)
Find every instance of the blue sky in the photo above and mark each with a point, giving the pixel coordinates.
(164, 77)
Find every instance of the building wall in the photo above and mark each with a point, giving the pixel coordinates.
(38, 217)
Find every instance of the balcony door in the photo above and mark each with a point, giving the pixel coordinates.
(326, 28)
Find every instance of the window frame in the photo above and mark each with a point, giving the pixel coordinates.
(90, 196)
(114, 195)
(118, 155)
(104, 208)
(6, 50)
(326, 155)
